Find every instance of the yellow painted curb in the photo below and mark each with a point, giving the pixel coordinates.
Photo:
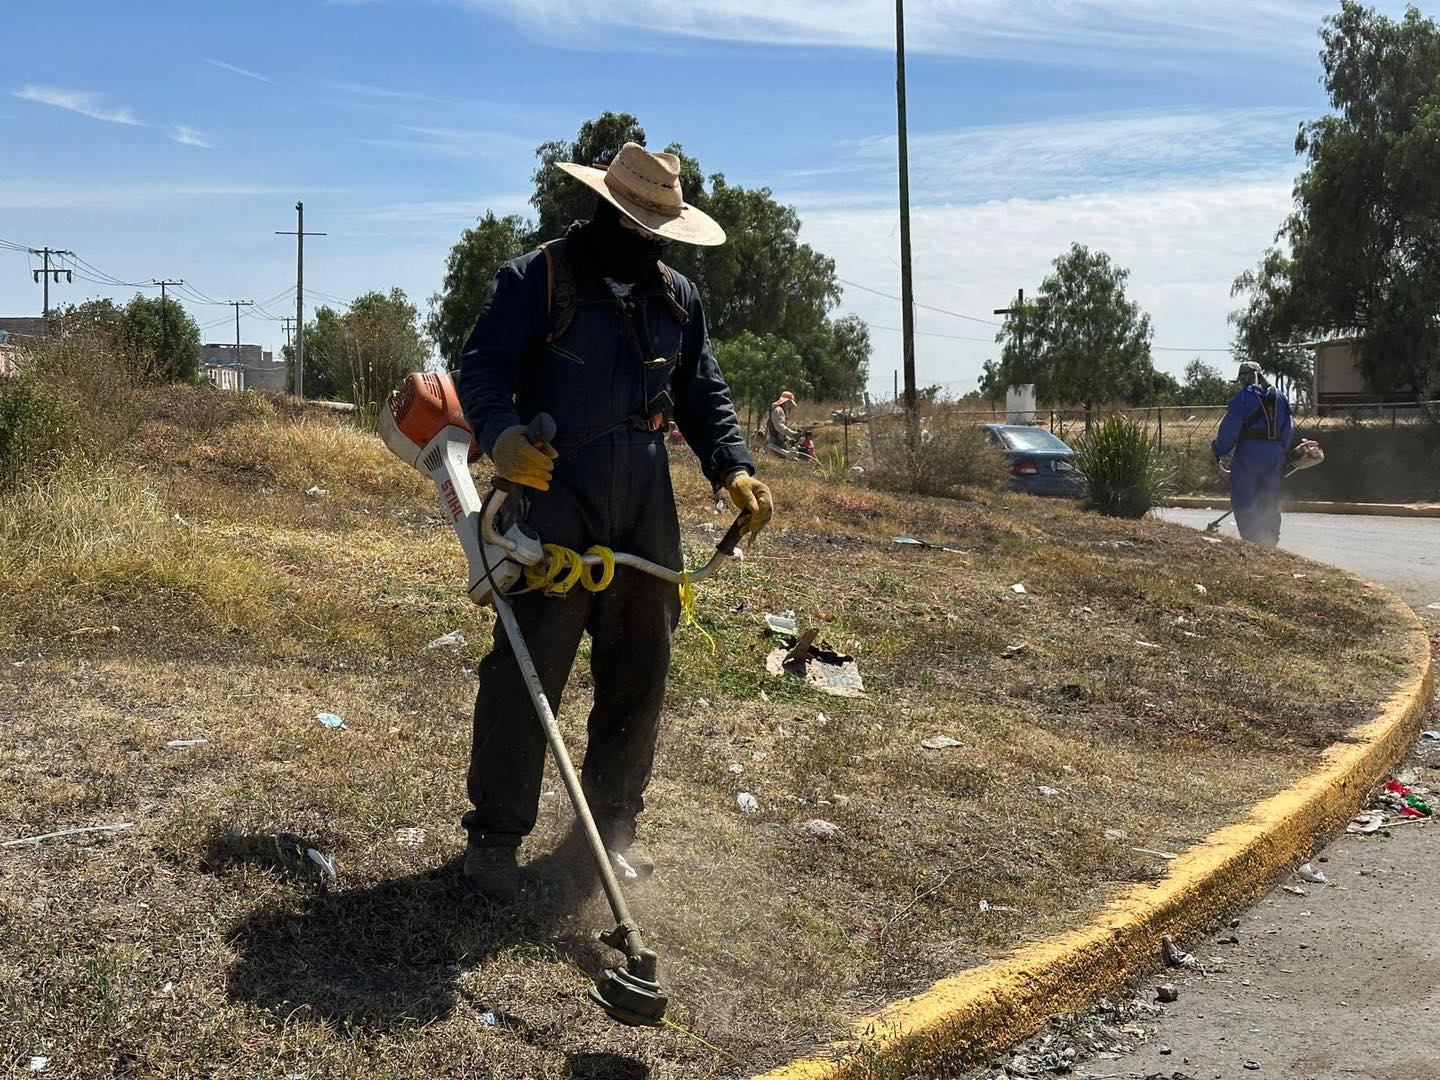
(1312, 506)
(990, 1007)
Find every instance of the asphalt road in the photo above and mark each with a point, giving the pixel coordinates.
(1400, 553)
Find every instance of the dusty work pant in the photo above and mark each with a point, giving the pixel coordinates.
(1255, 476)
(630, 625)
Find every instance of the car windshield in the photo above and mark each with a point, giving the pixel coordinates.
(1031, 439)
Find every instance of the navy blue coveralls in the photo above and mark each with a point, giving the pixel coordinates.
(611, 489)
(1260, 446)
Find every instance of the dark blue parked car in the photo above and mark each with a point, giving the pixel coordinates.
(1040, 464)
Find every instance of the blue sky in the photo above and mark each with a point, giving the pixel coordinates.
(170, 138)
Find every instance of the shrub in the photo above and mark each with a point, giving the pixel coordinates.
(951, 453)
(32, 429)
(1124, 475)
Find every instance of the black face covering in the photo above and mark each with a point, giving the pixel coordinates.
(618, 252)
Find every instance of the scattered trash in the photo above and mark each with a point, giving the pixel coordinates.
(1294, 890)
(410, 836)
(1212, 539)
(737, 768)
(184, 744)
(327, 868)
(455, 639)
(180, 521)
(93, 631)
(1010, 652)
(628, 872)
(37, 1063)
(783, 623)
(1169, 856)
(489, 1019)
(118, 826)
(1201, 589)
(747, 802)
(1167, 994)
(820, 829)
(804, 656)
(1049, 792)
(821, 718)
(702, 703)
(1432, 736)
(331, 720)
(1308, 873)
(927, 544)
(1115, 834)
(315, 491)
(940, 742)
(1017, 588)
(1433, 607)
(1147, 644)
(1175, 956)
(987, 907)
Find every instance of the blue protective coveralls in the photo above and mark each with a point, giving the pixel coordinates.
(611, 486)
(1258, 427)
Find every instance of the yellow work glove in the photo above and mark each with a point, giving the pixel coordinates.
(518, 461)
(750, 496)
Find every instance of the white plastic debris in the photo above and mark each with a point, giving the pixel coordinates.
(184, 744)
(1017, 588)
(940, 742)
(702, 703)
(1174, 955)
(331, 720)
(737, 769)
(1433, 607)
(1147, 644)
(747, 802)
(1115, 834)
(489, 1019)
(455, 639)
(1367, 822)
(1049, 792)
(1432, 736)
(1201, 589)
(315, 491)
(175, 517)
(820, 829)
(1308, 872)
(821, 718)
(38, 1063)
(327, 868)
(1294, 890)
(410, 836)
(628, 872)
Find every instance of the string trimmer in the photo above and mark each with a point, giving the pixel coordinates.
(424, 426)
(1306, 454)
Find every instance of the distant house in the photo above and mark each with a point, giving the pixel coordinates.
(15, 331)
(1338, 381)
(251, 368)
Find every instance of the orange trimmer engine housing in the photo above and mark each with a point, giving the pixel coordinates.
(425, 405)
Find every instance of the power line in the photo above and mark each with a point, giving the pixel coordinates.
(927, 307)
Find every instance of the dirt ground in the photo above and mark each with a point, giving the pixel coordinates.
(1144, 685)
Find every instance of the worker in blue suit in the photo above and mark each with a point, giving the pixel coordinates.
(1258, 427)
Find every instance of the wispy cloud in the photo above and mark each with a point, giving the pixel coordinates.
(225, 65)
(1016, 28)
(1065, 155)
(85, 102)
(188, 136)
(465, 143)
(382, 93)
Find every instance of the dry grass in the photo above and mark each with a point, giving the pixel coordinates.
(183, 948)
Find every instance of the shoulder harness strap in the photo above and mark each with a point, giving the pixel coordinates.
(560, 296)
(672, 296)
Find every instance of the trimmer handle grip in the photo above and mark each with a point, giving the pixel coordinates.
(541, 430)
(731, 540)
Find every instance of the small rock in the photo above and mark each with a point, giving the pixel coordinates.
(1167, 993)
(1307, 872)
(940, 742)
(737, 769)
(820, 829)
(1252, 1065)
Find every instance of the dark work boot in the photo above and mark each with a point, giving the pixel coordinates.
(492, 874)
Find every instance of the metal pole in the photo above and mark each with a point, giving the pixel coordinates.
(300, 300)
(907, 299)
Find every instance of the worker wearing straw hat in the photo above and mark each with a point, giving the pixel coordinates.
(597, 331)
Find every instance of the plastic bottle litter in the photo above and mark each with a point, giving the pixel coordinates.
(747, 802)
(1309, 873)
(331, 720)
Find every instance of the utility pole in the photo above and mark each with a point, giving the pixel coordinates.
(237, 305)
(907, 298)
(1018, 310)
(288, 321)
(299, 233)
(165, 283)
(47, 273)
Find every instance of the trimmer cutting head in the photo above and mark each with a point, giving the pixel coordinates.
(628, 998)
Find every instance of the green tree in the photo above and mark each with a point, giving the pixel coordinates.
(469, 268)
(1085, 341)
(763, 280)
(1204, 385)
(160, 339)
(1361, 249)
(323, 356)
(838, 364)
(362, 353)
(758, 367)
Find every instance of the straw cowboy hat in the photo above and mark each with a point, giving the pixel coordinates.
(645, 187)
(786, 398)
